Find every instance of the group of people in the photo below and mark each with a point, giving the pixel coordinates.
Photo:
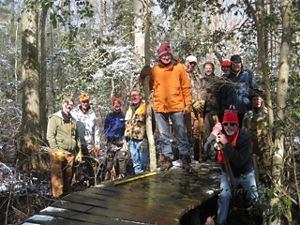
(209, 108)
(213, 110)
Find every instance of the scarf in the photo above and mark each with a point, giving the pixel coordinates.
(66, 117)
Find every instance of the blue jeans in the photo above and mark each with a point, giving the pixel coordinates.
(246, 181)
(140, 157)
(179, 128)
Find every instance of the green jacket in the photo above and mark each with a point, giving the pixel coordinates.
(62, 135)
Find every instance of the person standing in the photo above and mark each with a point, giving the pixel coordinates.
(88, 131)
(64, 145)
(135, 132)
(192, 119)
(245, 80)
(206, 106)
(171, 99)
(114, 125)
(235, 155)
(191, 64)
(226, 67)
(256, 123)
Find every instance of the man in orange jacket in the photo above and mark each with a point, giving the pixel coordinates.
(171, 99)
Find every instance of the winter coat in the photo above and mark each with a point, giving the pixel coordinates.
(114, 126)
(87, 127)
(239, 156)
(246, 81)
(61, 135)
(136, 122)
(171, 86)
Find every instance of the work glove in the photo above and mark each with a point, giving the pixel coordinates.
(188, 108)
(78, 157)
(198, 106)
(97, 149)
(60, 155)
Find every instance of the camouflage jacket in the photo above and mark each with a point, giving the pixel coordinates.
(135, 127)
(87, 127)
(256, 124)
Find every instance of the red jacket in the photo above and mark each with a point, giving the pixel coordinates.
(171, 86)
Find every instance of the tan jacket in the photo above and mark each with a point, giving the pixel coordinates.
(62, 135)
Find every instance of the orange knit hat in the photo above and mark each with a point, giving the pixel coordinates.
(84, 97)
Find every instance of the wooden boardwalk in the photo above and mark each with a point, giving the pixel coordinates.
(157, 198)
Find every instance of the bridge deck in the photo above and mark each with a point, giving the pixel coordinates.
(159, 199)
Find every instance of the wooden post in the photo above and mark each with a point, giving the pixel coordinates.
(149, 131)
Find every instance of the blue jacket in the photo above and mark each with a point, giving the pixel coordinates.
(246, 81)
(114, 126)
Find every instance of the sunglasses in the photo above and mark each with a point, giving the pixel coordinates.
(192, 63)
(229, 124)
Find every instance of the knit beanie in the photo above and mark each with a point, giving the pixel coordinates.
(230, 117)
(226, 62)
(164, 49)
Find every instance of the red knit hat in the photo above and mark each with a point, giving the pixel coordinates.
(116, 100)
(230, 117)
(164, 49)
(226, 62)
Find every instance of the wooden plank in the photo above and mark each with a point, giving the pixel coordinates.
(161, 199)
(51, 220)
(83, 217)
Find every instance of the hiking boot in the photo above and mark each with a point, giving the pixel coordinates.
(186, 163)
(165, 162)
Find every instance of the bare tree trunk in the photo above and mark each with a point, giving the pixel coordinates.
(112, 93)
(283, 76)
(51, 103)
(103, 16)
(29, 145)
(43, 74)
(282, 91)
(16, 60)
(139, 34)
(262, 42)
(142, 49)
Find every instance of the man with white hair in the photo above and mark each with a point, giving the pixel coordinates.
(191, 119)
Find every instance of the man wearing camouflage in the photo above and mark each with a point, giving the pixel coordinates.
(205, 106)
(135, 132)
(255, 122)
(88, 130)
(190, 118)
